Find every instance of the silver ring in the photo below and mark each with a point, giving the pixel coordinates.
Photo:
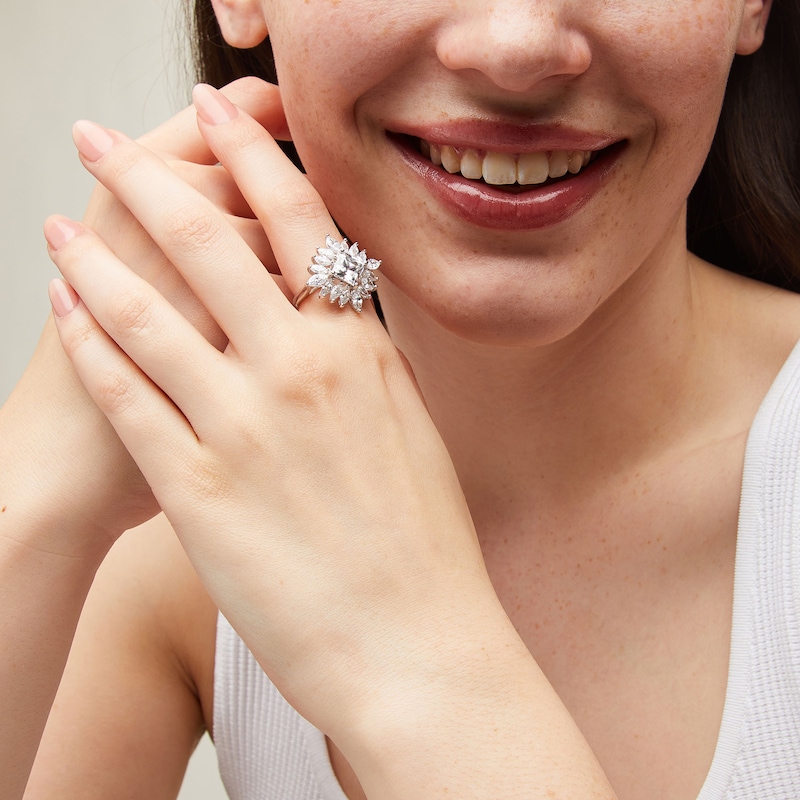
(342, 273)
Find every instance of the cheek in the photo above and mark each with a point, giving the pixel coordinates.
(327, 48)
(671, 62)
(323, 69)
(328, 60)
(675, 57)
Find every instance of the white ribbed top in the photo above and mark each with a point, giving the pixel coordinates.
(267, 751)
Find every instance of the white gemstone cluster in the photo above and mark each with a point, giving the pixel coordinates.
(343, 273)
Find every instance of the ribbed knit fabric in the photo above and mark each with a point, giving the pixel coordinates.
(267, 751)
(758, 750)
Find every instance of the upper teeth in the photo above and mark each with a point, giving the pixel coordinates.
(502, 169)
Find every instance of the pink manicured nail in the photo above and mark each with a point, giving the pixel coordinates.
(58, 231)
(62, 297)
(91, 140)
(212, 106)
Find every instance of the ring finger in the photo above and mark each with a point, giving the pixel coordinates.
(287, 205)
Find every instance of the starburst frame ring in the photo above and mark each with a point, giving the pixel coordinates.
(342, 273)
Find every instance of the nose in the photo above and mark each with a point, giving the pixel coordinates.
(516, 44)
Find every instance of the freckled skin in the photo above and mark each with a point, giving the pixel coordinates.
(650, 72)
(564, 507)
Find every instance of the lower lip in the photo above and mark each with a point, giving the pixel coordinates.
(489, 207)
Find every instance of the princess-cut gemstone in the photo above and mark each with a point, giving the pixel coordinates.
(343, 269)
(343, 273)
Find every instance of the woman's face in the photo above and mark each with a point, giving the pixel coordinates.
(378, 91)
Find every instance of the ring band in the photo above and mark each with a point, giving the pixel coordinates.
(342, 273)
(298, 298)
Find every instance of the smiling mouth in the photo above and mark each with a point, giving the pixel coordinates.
(507, 171)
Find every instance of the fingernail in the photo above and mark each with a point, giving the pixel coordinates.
(212, 106)
(58, 231)
(91, 140)
(62, 297)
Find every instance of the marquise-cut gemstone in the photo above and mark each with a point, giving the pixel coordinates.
(337, 291)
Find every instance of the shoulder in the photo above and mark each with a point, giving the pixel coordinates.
(758, 325)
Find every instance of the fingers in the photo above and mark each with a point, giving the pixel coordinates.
(164, 346)
(287, 205)
(144, 418)
(179, 138)
(218, 186)
(195, 236)
(254, 237)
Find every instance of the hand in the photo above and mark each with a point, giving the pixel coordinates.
(299, 467)
(179, 144)
(68, 487)
(308, 485)
(61, 457)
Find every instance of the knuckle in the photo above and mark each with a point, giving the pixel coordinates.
(249, 85)
(206, 481)
(119, 166)
(297, 201)
(307, 381)
(244, 137)
(132, 313)
(115, 392)
(77, 336)
(191, 230)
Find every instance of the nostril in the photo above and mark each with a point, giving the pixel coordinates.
(515, 50)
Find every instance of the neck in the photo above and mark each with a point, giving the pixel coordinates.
(612, 393)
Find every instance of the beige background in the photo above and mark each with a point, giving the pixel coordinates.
(120, 63)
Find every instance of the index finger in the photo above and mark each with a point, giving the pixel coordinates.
(179, 137)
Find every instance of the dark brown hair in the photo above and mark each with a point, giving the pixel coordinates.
(744, 211)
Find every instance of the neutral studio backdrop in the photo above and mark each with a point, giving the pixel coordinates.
(122, 64)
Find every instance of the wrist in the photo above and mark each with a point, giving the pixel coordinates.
(64, 475)
(484, 722)
(36, 520)
(463, 703)
(454, 663)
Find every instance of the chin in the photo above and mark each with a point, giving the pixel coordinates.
(493, 318)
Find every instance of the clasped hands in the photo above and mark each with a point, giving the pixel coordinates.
(290, 449)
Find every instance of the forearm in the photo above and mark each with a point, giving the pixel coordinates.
(483, 725)
(41, 594)
(52, 539)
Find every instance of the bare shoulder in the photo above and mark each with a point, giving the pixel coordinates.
(136, 692)
(759, 322)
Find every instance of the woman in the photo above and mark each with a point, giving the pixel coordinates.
(498, 565)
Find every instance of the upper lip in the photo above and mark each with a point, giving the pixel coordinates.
(504, 137)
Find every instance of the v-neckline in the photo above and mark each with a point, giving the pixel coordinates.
(748, 540)
(747, 543)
